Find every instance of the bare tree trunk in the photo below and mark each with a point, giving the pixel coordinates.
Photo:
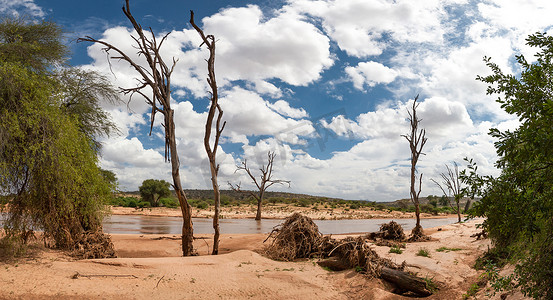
(215, 113)
(265, 181)
(157, 77)
(259, 202)
(217, 196)
(416, 140)
(187, 227)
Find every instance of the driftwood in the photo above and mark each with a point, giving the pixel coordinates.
(405, 281)
(480, 235)
(299, 237)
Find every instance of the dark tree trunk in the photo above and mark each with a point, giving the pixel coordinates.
(187, 229)
(405, 281)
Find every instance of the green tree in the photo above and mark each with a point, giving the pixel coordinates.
(48, 167)
(152, 190)
(518, 204)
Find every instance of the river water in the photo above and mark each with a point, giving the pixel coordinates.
(173, 225)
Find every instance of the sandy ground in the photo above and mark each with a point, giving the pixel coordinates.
(149, 267)
(278, 211)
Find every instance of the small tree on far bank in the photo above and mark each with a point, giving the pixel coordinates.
(265, 181)
(451, 186)
(152, 190)
(417, 139)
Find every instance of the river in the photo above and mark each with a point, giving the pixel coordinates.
(173, 225)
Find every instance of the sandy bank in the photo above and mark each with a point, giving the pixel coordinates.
(149, 267)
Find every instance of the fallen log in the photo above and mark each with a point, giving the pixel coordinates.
(405, 281)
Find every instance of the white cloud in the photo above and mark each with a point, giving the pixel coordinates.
(282, 107)
(248, 114)
(18, 7)
(370, 73)
(359, 26)
(253, 47)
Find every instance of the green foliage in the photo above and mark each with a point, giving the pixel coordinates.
(201, 205)
(48, 167)
(395, 249)
(519, 203)
(169, 202)
(34, 46)
(446, 249)
(152, 190)
(423, 252)
(473, 289)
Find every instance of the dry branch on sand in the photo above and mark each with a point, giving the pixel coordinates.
(299, 237)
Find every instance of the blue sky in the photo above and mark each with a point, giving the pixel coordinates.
(325, 84)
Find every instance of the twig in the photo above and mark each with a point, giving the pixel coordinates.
(77, 275)
(159, 281)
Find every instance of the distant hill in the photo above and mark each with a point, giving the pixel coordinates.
(208, 194)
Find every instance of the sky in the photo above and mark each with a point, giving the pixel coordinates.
(326, 84)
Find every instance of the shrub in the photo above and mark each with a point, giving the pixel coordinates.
(423, 252)
(169, 202)
(396, 249)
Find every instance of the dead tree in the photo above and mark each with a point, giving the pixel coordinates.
(265, 181)
(215, 113)
(157, 77)
(452, 184)
(417, 139)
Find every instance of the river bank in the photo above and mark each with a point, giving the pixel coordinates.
(278, 211)
(149, 266)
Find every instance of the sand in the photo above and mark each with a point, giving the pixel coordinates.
(149, 267)
(279, 211)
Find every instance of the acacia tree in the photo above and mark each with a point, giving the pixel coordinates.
(152, 190)
(417, 139)
(452, 187)
(265, 180)
(155, 77)
(48, 161)
(215, 113)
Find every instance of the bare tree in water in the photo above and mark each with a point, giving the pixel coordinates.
(265, 181)
(155, 78)
(215, 113)
(417, 139)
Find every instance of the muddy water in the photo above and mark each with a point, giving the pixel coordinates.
(173, 225)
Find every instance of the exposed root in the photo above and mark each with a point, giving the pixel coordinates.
(297, 237)
(417, 235)
(93, 245)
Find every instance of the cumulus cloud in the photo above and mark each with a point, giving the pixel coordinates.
(359, 26)
(370, 73)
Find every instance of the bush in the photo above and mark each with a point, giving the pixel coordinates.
(202, 205)
(132, 203)
(169, 202)
(144, 204)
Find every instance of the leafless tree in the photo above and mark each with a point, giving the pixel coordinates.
(265, 180)
(452, 183)
(157, 77)
(417, 139)
(215, 113)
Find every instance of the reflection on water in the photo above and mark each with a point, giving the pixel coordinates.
(173, 225)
